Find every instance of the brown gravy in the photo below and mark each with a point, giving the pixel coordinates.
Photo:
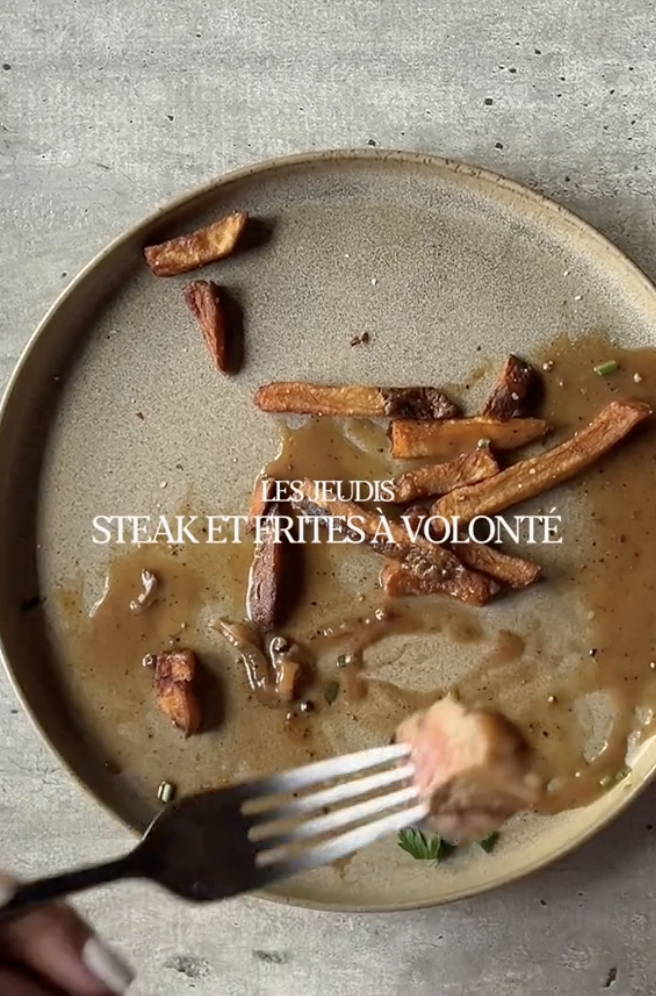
(603, 568)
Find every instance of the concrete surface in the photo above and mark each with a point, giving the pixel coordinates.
(109, 107)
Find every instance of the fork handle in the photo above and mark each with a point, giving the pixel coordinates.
(44, 890)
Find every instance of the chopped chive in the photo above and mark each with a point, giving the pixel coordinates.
(483, 444)
(609, 367)
(605, 781)
(165, 792)
(490, 842)
(342, 660)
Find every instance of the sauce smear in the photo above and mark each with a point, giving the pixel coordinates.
(569, 659)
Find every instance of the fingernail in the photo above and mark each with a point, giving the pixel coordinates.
(107, 966)
(7, 890)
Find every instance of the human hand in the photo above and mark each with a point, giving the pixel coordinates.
(53, 952)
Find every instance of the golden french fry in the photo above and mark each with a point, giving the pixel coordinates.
(438, 478)
(428, 561)
(260, 501)
(355, 401)
(265, 581)
(175, 671)
(203, 300)
(196, 249)
(511, 390)
(448, 438)
(531, 477)
(513, 571)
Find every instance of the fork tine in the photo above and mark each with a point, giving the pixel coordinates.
(341, 847)
(342, 818)
(333, 796)
(312, 774)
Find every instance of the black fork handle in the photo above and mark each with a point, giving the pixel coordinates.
(45, 890)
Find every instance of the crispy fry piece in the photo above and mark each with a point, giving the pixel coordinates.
(175, 671)
(203, 300)
(531, 477)
(390, 539)
(438, 478)
(490, 560)
(264, 595)
(196, 249)
(511, 390)
(397, 582)
(450, 437)
(260, 500)
(356, 401)
(414, 515)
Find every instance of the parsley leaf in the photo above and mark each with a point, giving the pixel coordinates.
(424, 847)
(431, 847)
(490, 842)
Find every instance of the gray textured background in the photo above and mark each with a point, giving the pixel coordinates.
(109, 107)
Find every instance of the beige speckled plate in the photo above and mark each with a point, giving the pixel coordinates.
(433, 258)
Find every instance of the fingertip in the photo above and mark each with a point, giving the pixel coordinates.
(107, 966)
(57, 944)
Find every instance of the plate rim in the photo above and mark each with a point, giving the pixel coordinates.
(186, 200)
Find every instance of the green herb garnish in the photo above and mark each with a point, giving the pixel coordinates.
(165, 792)
(425, 847)
(609, 367)
(490, 842)
(483, 444)
(342, 660)
(431, 847)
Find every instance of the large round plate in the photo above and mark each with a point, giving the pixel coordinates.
(433, 257)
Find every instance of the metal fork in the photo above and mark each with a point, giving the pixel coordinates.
(241, 838)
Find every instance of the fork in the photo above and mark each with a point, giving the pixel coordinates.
(229, 841)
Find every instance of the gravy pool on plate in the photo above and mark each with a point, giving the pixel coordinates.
(579, 702)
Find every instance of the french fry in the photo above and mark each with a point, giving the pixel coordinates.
(175, 671)
(203, 300)
(265, 580)
(443, 440)
(428, 561)
(511, 389)
(196, 249)
(356, 401)
(513, 571)
(414, 515)
(397, 582)
(531, 477)
(438, 478)
(260, 501)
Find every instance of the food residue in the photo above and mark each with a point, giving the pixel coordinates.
(329, 675)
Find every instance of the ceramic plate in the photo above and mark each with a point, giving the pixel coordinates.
(115, 409)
